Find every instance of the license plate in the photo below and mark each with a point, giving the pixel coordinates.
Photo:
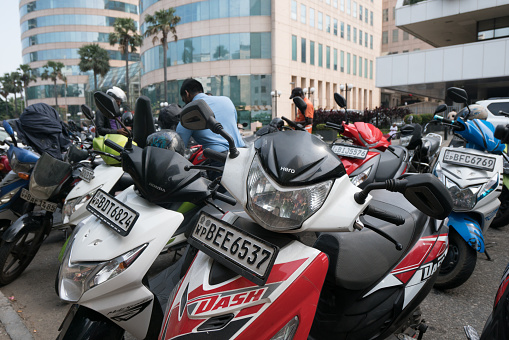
(244, 253)
(112, 212)
(48, 206)
(469, 160)
(352, 151)
(86, 174)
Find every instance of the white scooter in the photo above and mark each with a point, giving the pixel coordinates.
(104, 269)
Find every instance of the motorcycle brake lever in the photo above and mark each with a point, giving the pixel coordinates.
(203, 167)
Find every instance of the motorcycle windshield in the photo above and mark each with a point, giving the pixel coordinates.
(480, 133)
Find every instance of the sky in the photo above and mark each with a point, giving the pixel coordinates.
(10, 52)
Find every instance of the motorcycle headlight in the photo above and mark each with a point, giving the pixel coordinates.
(360, 178)
(462, 199)
(277, 208)
(74, 279)
(18, 166)
(404, 141)
(288, 331)
(8, 196)
(439, 173)
(74, 204)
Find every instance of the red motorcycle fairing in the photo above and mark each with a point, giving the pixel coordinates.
(352, 164)
(366, 134)
(232, 309)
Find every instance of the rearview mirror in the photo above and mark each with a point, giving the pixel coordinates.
(107, 105)
(8, 128)
(87, 112)
(340, 100)
(440, 108)
(197, 115)
(457, 95)
(301, 104)
(428, 194)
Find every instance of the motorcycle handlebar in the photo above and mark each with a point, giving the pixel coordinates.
(215, 155)
(111, 144)
(502, 133)
(222, 197)
(443, 120)
(292, 124)
(334, 126)
(384, 215)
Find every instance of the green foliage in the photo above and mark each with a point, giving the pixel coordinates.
(416, 119)
(53, 71)
(94, 58)
(321, 127)
(426, 118)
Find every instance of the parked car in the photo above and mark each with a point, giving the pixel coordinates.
(494, 105)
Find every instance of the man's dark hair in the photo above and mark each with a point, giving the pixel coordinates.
(192, 86)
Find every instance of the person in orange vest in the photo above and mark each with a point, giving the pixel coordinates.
(307, 119)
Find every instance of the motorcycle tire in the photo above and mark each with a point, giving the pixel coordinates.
(15, 256)
(502, 217)
(458, 264)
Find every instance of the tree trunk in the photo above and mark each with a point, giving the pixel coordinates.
(127, 76)
(165, 54)
(25, 97)
(56, 95)
(15, 103)
(7, 105)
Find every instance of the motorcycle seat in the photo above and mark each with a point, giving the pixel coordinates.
(359, 259)
(390, 163)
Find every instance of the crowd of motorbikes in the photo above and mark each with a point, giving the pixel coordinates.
(298, 239)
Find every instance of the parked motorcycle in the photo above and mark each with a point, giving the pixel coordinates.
(363, 277)
(502, 217)
(104, 270)
(473, 175)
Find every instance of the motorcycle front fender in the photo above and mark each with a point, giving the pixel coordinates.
(84, 323)
(31, 221)
(469, 229)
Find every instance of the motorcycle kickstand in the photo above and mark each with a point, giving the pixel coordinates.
(487, 255)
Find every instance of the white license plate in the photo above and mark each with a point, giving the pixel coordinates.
(469, 160)
(352, 151)
(87, 174)
(114, 213)
(48, 206)
(246, 254)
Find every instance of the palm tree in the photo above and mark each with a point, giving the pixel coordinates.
(53, 71)
(17, 87)
(164, 22)
(5, 93)
(27, 76)
(125, 35)
(95, 58)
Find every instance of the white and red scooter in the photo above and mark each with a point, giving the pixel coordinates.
(259, 280)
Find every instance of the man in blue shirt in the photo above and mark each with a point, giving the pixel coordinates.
(223, 109)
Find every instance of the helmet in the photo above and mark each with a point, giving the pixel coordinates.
(169, 117)
(127, 118)
(117, 93)
(476, 112)
(452, 115)
(167, 140)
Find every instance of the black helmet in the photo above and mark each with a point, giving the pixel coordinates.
(127, 118)
(167, 139)
(169, 117)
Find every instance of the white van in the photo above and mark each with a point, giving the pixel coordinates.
(494, 105)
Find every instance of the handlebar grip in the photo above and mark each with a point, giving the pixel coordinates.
(502, 133)
(292, 124)
(215, 155)
(384, 215)
(225, 198)
(443, 120)
(111, 144)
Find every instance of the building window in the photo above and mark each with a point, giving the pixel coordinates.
(360, 12)
(335, 59)
(303, 50)
(360, 37)
(348, 32)
(342, 61)
(303, 14)
(385, 15)
(320, 20)
(385, 38)
(394, 13)
(371, 41)
(342, 29)
(354, 10)
(311, 17)
(354, 65)
(320, 55)
(335, 3)
(371, 18)
(365, 40)
(405, 35)
(311, 52)
(294, 10)
(342, 5)
(417, 49)
(493, 28)
(335, 26)
(327, 2)
(348, 6)
(355, 35)
(327, 57)
(366, 15)
(294, 48)
(348, 63)
(395, 34)
(360, 66)
(371, 69)
(327, 24)
(365, 68)
(405, 51)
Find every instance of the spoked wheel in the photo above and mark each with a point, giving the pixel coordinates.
(459, 263)
(15, 256)
(502, 217)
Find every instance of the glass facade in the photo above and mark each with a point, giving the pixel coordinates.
(211, 48)
(70, 53)
(216, 9)
(58, 20)
(250, 94)
(57, 37)
(73, 70)
(47, 91)
(99, 4)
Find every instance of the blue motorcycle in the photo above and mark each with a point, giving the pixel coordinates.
(471, 168)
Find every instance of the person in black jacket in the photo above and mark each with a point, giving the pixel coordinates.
(106, 126)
